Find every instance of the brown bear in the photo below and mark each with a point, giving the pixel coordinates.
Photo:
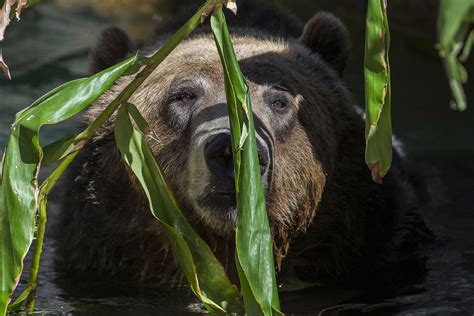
(329, 220)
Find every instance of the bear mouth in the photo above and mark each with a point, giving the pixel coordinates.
(219, 209)
(217, 205)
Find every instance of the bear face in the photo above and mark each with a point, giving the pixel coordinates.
(325, 212)
(292, 85)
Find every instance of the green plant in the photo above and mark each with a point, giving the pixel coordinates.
(456, 38)
(378, 126)
(254, 250)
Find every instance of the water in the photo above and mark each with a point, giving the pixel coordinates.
(50, 46)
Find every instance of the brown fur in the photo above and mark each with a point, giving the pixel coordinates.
(327, 216)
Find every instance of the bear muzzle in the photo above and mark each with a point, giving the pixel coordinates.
(219, 156)
(220, 198)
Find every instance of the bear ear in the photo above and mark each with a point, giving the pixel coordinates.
(326, 35)
(113, 46)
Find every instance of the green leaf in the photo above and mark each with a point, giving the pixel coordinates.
(378, 127)
(467, 47)
(205, 274)
(23, 156)
(243, 137)
(452, 16)
(142, 124)
(454, 24)
(254, 247)
(58, 149)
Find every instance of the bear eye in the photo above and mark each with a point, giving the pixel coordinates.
(184, 97)
(278, 104)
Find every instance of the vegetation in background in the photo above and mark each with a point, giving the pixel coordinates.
(23, 200)
(9, 10)
(456, 38)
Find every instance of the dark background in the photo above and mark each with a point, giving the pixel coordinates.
(50, 46)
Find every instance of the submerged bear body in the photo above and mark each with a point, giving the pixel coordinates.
(329, 220)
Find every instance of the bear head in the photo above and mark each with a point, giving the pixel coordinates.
(298, 100)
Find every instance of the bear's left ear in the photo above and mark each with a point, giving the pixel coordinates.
(326, 35)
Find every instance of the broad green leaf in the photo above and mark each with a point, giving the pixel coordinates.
(205, 274)
(254, 247)
(454, 32)
(23, 155)
(252, 307)
(378, 124)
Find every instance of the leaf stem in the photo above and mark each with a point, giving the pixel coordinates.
(29, 292)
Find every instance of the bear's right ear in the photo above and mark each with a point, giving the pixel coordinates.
(112, 47)
(326, 35)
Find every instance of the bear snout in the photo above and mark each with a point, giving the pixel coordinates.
(219, 156)
(215, 195)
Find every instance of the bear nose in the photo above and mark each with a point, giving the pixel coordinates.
(219, 157)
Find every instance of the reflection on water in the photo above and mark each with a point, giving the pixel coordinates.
(50, 46)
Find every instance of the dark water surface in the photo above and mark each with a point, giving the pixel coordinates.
(50, 46)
